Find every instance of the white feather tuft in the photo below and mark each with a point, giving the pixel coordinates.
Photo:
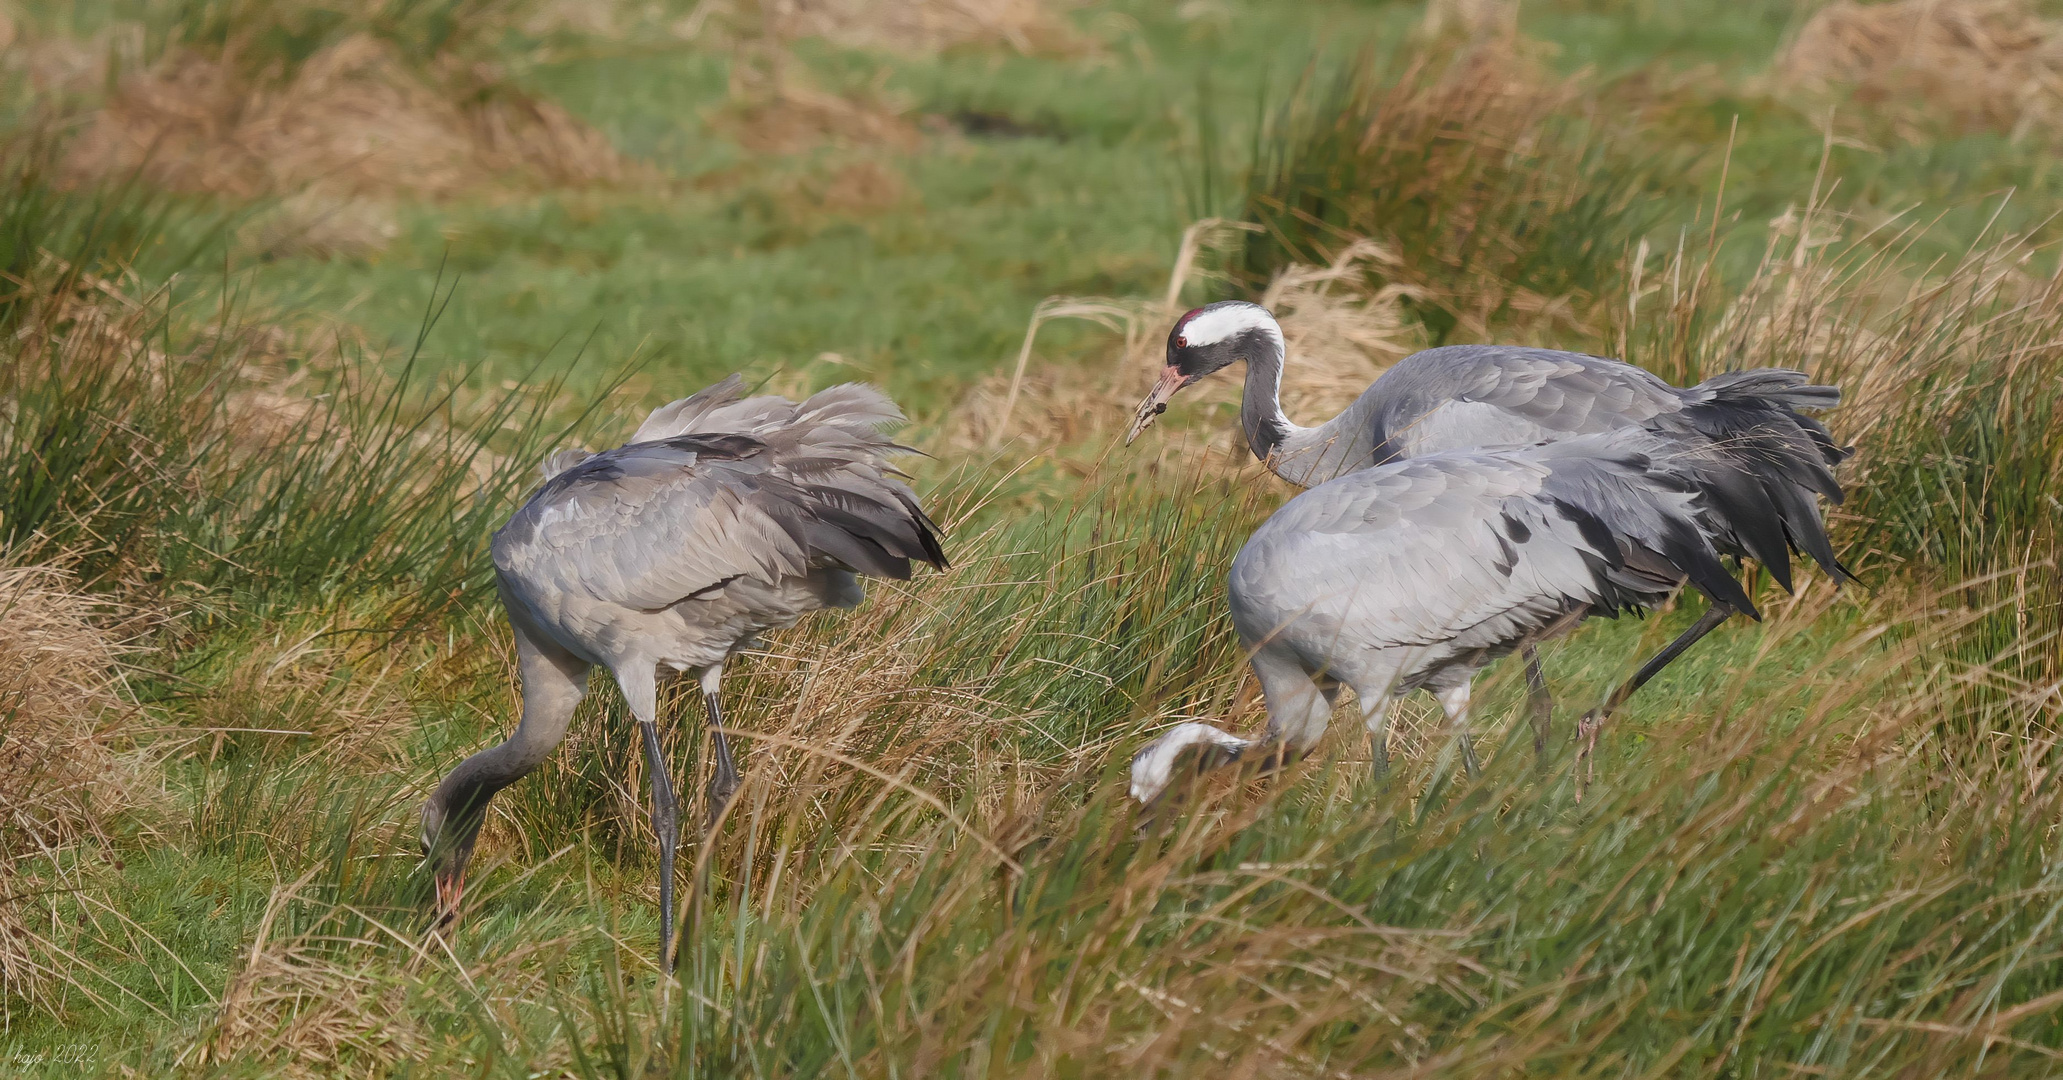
(1225, 320)
(562, 460)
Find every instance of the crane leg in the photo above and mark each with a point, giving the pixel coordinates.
(1378, 719)
(666, 823)
(724, 782)
(641, 689)
(1595, 719)
(1454, 702)
(1539, 703)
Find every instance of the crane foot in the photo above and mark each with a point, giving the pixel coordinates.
(1586, 733)
(722, 788)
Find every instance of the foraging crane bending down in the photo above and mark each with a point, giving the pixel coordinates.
(1758, 462)
(1417, 573)
(723, 517)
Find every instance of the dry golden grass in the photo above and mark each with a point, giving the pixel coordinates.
(323, 224)
(775, 108)
(61, 692)
(1471, 18)
(298, 1004)
(1917, 64)
(927, 26)
(353, 122)
(65, 772)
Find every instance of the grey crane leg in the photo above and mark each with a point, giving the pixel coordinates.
(724, 783)
(1595, 719)
(1539, 702)
(666, 823)
(641, 690)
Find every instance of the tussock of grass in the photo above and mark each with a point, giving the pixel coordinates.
(917, 27)
(352, 120)
(181, 473)
(776, 107)
(929, 26)
(1918, 66)
(1951, 378)
(70, 772)
(1503, 194)
(299, 1001)
(61, 687)
(347, 105)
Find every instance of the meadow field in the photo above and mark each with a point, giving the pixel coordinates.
(299, 292)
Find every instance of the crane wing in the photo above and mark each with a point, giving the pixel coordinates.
(651, 524)
(854, 409)
(1475, 549)
(1495, 395)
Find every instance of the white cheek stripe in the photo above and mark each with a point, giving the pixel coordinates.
(1217, 324)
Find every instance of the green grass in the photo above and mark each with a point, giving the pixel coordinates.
(1811, 848)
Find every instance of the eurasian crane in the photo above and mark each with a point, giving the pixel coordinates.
(724, 517)
(1417, 573)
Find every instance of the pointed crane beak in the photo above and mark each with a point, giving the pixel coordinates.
(1156, 403)
(450, 888)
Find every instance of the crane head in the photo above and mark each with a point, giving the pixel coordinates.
(1187, 749)
(447, 846)
(1205, 340)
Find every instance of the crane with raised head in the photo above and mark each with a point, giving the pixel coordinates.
(724, 517)
(1418, 573)
(1759, 462)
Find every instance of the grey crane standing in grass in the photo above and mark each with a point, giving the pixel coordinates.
(723, 517)
(1757, 460)
(1417, 573)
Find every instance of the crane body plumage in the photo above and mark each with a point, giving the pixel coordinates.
(724, 518)
(1418, 573)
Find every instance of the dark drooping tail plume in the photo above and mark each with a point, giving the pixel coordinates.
(1760, 462)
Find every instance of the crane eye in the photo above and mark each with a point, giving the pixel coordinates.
(1181, 342)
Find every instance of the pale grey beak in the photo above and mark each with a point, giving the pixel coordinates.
(1156, 403)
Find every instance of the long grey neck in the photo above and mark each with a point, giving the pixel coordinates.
(550, 697)
(1260, 407)
(1303, 456)
(465, 791)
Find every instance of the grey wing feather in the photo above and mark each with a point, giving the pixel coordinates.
(1476, 548)
(716, 409)
(648, 525)
(1489, 395)
(853, 408)
(1762, 460)
(561, 460)
(1402, 555)
(753, 487)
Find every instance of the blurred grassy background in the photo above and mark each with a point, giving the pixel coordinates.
(302, 289)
